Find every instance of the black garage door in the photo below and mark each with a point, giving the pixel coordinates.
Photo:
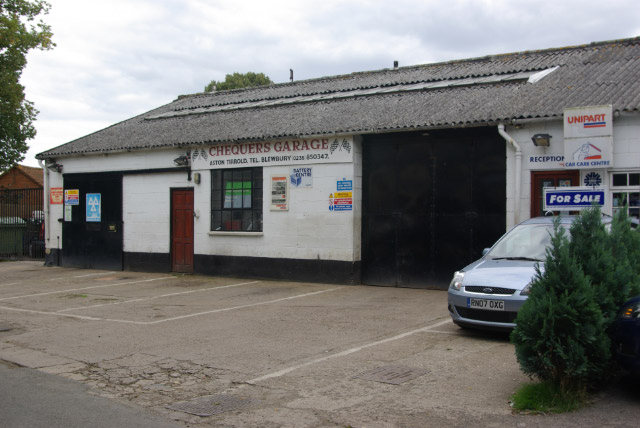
(431, 203)
(92, 236)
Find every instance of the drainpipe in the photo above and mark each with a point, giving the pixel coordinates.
(47, 229)
(516, 146)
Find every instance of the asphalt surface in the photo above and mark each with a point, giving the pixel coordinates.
(33, 399)
(247, 353)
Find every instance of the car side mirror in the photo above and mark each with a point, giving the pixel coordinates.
(485, 251)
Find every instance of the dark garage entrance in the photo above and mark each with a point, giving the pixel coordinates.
(92, 239)
(431, 202)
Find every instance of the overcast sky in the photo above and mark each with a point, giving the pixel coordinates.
(116, 59)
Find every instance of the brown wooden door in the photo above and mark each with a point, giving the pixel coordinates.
(182, 230)
(542, 179)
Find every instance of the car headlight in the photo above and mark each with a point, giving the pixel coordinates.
(456, 282)
(631, 311)
(526, 290)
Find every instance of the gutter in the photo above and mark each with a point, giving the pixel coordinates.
(509, 139)
(47, 229)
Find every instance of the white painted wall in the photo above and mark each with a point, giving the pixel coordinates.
(307, 231)
(626, 157)
(146, 212)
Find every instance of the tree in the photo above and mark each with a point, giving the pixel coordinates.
(18, 35)
(559, 335)
(590, 245)
(624, 243)
(239, 80)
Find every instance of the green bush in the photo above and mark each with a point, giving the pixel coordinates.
(624, 244)
(559, 335)
(590, 244)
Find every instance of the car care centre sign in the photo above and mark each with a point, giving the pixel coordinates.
(572, 198)
(282, 152)
(588, 137)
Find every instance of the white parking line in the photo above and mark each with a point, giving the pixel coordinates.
(233, 308)
(347, 352)
(166, 319)
(82, 276)
(32, 311)
(6, 285)
(157, 297)
(85, 288)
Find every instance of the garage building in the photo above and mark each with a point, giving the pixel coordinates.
(394, 177)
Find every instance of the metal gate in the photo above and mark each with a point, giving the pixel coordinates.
(21, 223)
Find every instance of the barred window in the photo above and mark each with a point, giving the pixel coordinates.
(236, 200)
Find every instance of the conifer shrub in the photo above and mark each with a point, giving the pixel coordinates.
(624, 244)
(560, 335)
(590, 244)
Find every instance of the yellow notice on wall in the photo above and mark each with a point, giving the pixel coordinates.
(343, 195)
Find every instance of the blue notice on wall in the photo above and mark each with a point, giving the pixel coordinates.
(344, 185)
(94, 207)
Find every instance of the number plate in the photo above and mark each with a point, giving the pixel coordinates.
(491, 305)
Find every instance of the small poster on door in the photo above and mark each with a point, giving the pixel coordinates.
(68, 212)
(72, 197)
(94, 207)
(279, 193)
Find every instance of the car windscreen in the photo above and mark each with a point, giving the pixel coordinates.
(524, 242)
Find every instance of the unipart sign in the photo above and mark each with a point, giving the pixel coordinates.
(588, 137)
(593, 121)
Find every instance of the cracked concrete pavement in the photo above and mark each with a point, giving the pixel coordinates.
(291, 350)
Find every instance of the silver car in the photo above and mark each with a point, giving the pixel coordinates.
(489, 292)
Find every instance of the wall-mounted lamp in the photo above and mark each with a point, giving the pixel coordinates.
(541, 140)
(55, 167)
(196, 177)
(181, 160)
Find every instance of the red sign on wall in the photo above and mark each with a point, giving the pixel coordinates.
(56, 195)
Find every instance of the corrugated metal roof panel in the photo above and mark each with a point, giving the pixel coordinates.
(471, 92)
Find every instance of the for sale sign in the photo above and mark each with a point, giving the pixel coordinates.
(572, 198)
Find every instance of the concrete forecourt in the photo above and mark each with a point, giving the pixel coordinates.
(210, 351)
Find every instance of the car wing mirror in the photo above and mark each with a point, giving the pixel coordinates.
(485, 251)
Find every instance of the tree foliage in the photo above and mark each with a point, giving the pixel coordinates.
(560, 335)
(19, 33)
(624, 244)
(590, 244)
(237, 81)
(563, 330)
